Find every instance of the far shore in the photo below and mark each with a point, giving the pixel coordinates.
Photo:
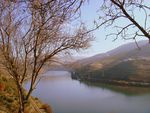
(114, 81)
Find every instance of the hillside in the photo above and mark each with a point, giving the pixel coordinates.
(126, 62)
(133, 70)
(9, 98)
(123, 52)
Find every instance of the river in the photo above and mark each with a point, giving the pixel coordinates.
(66, 95)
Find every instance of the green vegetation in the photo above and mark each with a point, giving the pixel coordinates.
(129, 71)
(121, 71)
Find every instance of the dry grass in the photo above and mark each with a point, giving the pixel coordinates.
(9, 98)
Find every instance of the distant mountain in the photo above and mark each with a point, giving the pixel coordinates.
(127, 62)
(92, 59)
(127, 48)
(123, 52)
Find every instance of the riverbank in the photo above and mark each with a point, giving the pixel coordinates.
(112, 81)
(9, 99)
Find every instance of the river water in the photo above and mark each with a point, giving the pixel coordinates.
(66, 95)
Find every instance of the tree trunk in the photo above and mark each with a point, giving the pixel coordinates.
(21, 99)
(29, 93)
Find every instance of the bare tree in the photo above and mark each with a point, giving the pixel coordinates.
(33, 32)
(123, 16)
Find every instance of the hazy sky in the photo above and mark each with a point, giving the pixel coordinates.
(100, 45)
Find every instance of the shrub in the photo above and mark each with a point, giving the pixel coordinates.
(2, 87)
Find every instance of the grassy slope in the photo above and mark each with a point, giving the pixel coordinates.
(9, 99)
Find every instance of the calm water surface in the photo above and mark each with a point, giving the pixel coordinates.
(71, 96)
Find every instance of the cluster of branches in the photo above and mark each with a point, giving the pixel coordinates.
(33, 32)
(123, 16)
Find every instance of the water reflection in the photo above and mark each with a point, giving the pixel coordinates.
(126, 90)
(71, 96)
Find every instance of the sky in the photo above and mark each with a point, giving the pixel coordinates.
(100, 44)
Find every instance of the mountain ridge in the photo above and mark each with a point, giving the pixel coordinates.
(123, 63)
(122, 52)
